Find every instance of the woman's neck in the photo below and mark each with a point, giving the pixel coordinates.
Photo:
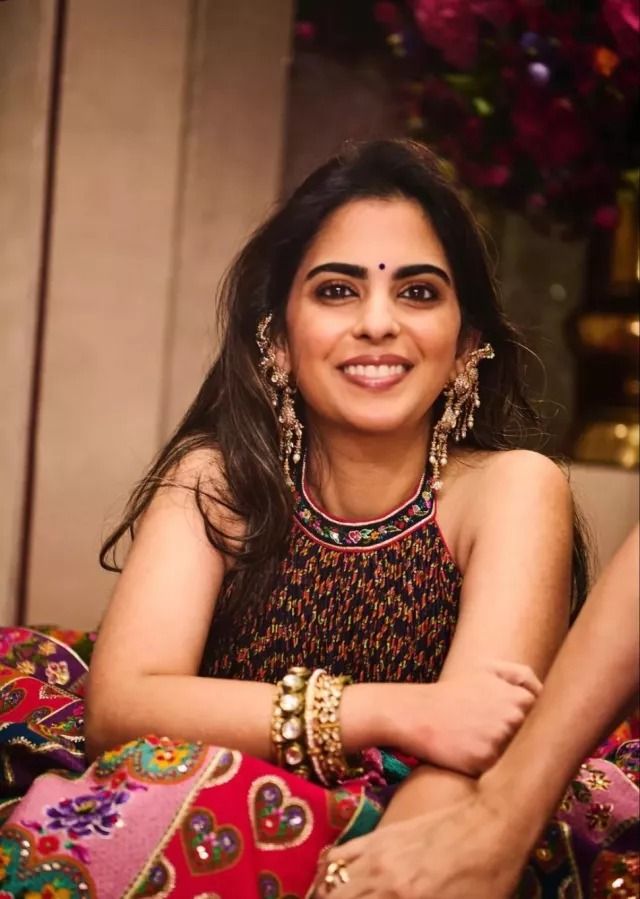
(362, 479)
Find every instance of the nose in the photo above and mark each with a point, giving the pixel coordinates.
(376, 318)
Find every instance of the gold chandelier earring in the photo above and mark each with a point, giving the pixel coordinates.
(461, 401)
(276, 381)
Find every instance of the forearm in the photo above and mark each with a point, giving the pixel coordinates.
(589, 686)
(221, 712)
(231, 713)
(426, 790)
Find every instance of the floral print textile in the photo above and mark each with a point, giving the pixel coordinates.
(167, 818)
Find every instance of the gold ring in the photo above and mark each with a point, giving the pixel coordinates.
(336, 874)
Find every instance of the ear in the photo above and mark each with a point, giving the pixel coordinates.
(468, 341)
(283, 357)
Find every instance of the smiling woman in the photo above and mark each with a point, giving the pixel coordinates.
(370, 348)
(320, 593)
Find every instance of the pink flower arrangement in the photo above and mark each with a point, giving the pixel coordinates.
(452, 26)
(530, 101)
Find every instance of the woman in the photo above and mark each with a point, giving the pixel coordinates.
(478, 847)
(303, 528)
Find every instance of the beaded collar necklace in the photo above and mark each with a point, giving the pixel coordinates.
(337, 533)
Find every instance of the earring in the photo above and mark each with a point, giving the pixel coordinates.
(462, 399)
(276, 380)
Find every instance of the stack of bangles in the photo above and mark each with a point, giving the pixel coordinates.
(305, 727)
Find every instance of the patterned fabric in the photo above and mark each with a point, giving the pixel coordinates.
(333, 532)
(376, 600)
(164, 818)
(41, 713)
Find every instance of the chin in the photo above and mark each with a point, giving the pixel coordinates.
(382, 425)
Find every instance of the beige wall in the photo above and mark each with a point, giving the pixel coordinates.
(26, 48)
(168, 153)
(170, 132)
(609, 499)
(232, 161)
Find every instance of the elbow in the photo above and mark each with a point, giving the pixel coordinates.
(100, 723)
(98, 731)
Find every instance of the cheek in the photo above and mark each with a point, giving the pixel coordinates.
(311, 338)
(439, 337)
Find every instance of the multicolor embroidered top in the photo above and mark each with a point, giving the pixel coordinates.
(377, 600)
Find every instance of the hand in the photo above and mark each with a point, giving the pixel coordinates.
(461, 851)
(465, 723)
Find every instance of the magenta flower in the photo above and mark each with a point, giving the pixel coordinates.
(451, 26)
(623, 18)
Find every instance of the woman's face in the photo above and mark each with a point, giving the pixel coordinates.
(373, 320)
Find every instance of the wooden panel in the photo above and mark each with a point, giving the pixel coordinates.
(169, 153)
(26, 48)
(233, 154)
(116, 186)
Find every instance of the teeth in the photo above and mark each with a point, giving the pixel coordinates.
(374, 371)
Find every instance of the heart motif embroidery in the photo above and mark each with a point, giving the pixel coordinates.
(279, 820)
(29, 873)
(209, 848)
(269, 887)
(9, 699)
(225, 767)
(159, 882)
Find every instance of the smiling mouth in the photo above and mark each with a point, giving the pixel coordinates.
(375, 372)
(378, 376)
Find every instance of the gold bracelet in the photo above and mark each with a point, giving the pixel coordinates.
(287, 723)
(322, 725)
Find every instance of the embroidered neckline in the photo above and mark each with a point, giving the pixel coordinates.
(354, 535)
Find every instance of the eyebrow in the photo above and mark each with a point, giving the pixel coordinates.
(360, 272)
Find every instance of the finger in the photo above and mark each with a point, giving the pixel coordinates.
(517, 717)
(523, 699)
(360, 884)
(348, 852)
(327, 856)
(518, 675)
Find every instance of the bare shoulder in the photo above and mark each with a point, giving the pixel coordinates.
(525, 471)
(502, 490)
(522, 471)
(196, 482)
(201, 466)
(196, 472)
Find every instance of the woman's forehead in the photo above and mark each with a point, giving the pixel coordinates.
(377, 232)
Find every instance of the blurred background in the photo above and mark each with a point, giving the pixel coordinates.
(140, 143)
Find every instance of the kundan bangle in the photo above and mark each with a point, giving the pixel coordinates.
(288, 735)
(322, 725)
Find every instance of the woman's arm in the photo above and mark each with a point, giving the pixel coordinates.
(516, 540)
(574, 711)
(477, 847)
(143, 676)
(143, 672)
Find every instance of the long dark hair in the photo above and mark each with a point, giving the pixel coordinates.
(232, 413)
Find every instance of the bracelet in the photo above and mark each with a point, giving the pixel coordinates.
(322, 725)
(287, 723)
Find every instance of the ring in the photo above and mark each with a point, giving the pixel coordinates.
(336, 874)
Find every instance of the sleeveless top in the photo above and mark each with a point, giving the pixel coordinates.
(377, 600)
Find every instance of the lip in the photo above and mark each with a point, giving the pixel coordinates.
(376, 384)
(384, 359)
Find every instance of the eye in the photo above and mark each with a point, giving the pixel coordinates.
(420, 292)
(334, 290)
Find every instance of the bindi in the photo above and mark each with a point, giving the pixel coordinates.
(382, 266)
